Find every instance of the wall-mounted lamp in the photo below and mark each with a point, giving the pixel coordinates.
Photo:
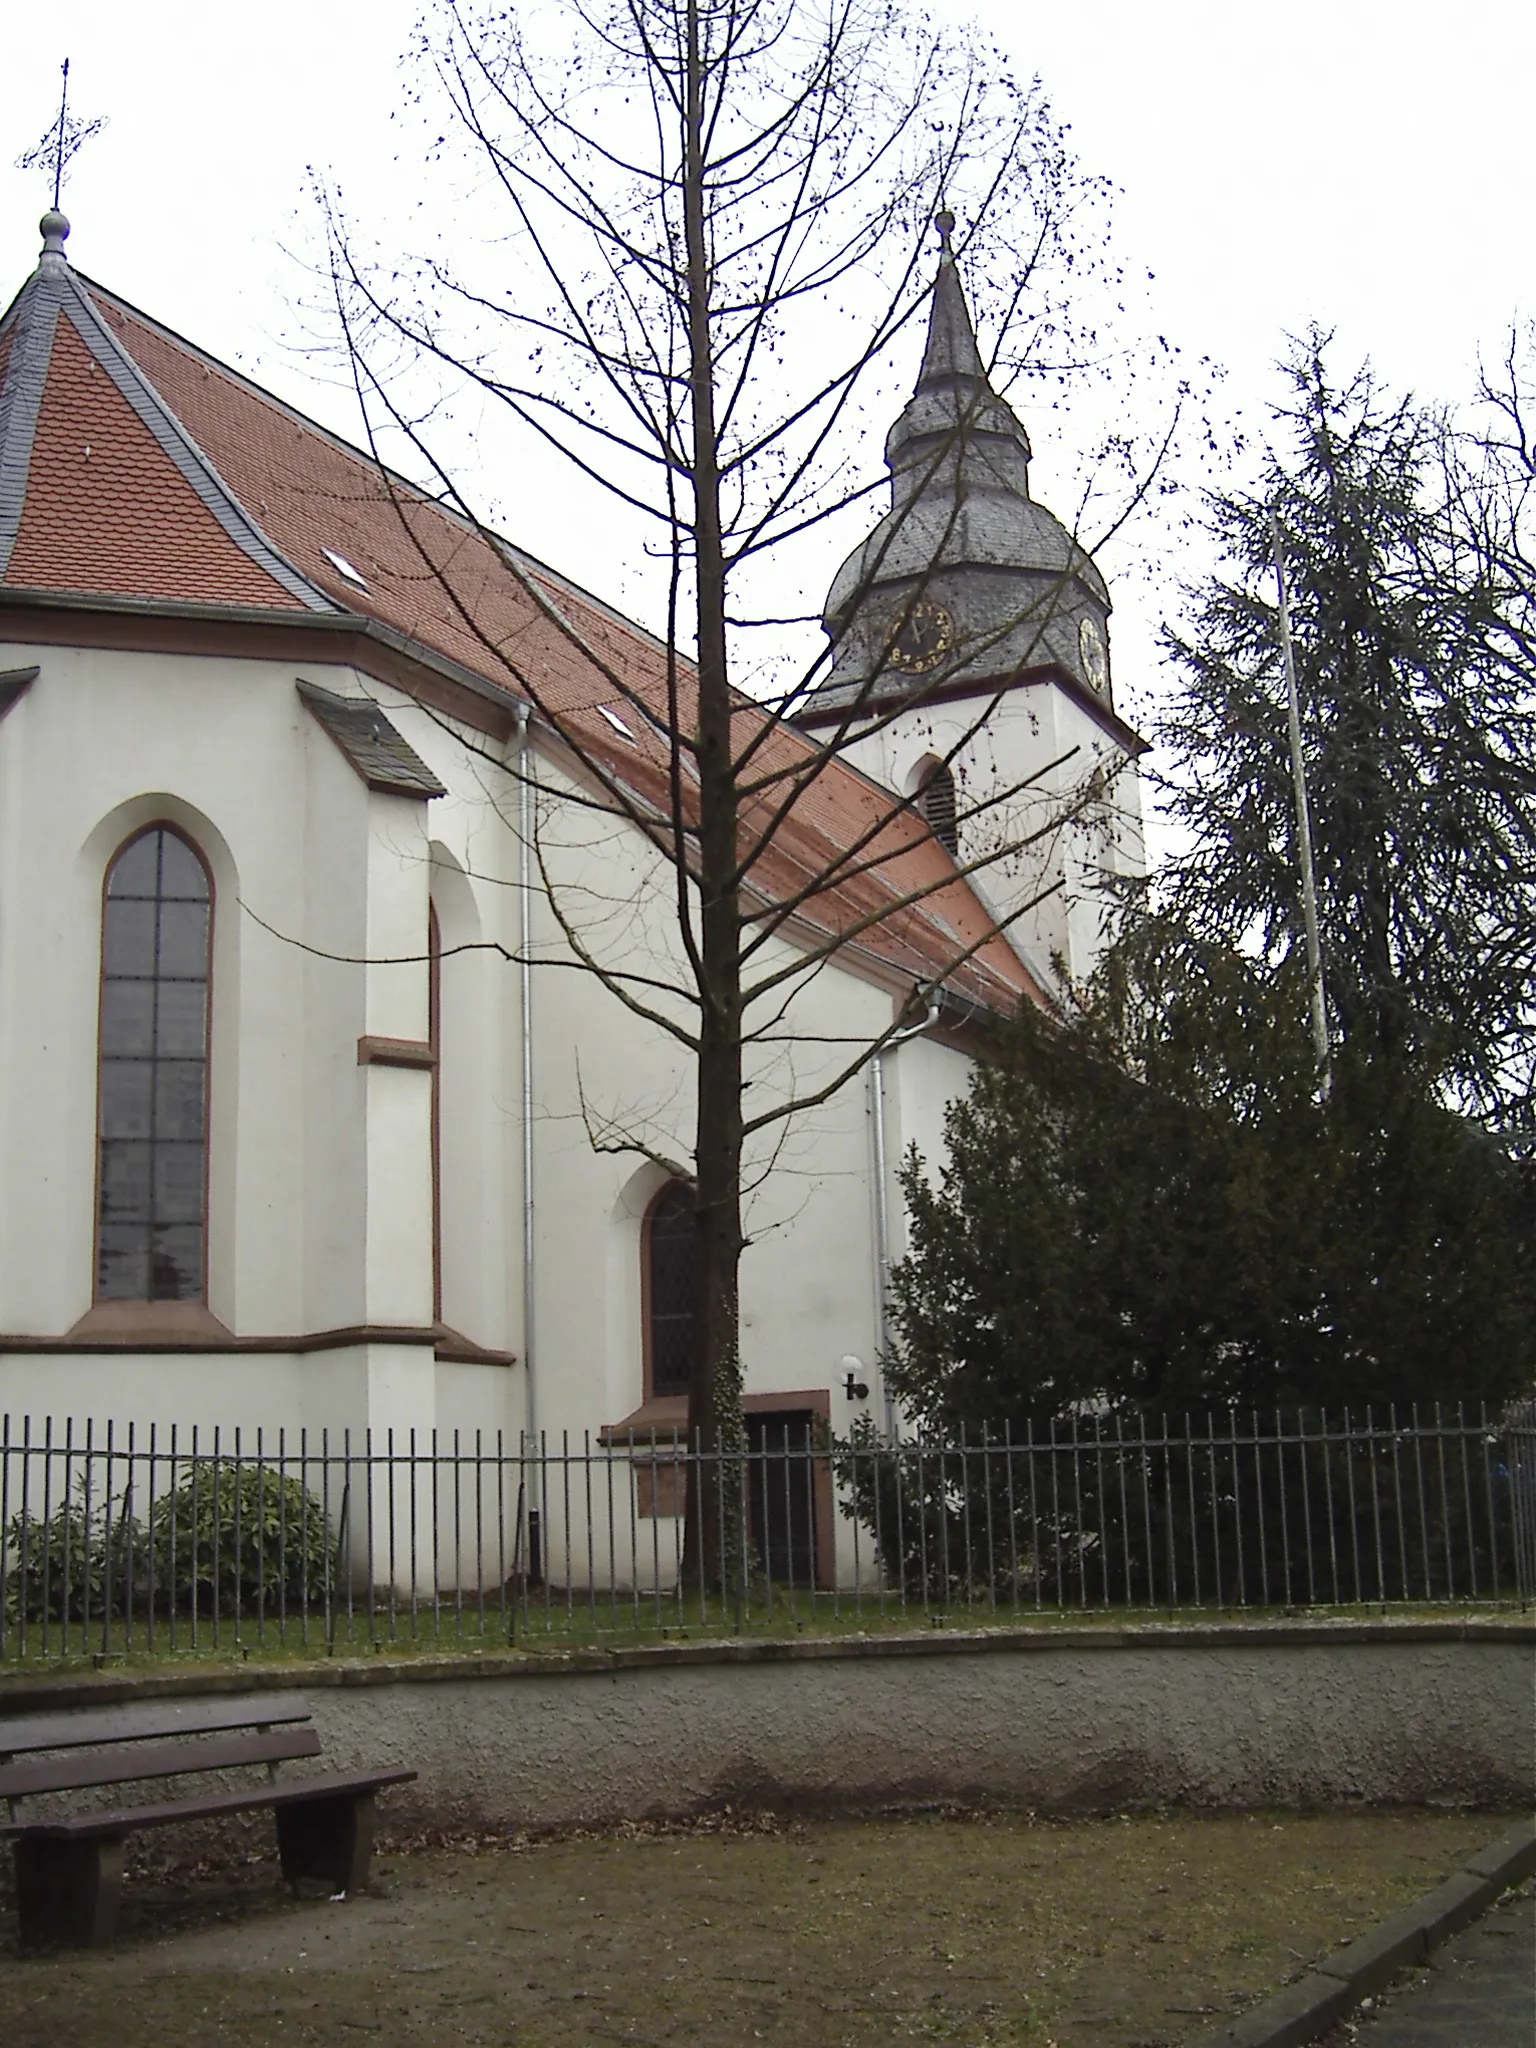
(855, 1386)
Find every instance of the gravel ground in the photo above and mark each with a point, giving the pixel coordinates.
(987, 1931)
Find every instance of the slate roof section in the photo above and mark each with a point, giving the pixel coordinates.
(951, 349)
(28, 345)
(375, 749)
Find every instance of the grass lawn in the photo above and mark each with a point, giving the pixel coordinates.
(553, 1622)
(984, 1931)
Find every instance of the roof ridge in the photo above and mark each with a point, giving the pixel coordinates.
(137, 390)
(36, 310)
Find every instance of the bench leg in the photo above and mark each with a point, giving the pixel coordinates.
(68, 1892)
(330, 1839)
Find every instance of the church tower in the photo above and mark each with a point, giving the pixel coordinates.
(969, 666)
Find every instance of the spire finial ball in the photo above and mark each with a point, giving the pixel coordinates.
(944, 221)
(54, 229)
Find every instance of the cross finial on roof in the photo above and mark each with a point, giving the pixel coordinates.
(64, 138)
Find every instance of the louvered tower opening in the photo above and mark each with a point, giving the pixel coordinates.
(936, 800)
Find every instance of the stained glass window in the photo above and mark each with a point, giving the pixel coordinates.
(153, 1110)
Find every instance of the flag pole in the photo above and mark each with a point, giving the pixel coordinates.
(1315, 999)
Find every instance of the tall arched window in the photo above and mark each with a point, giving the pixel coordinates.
(936, 799)
(669, 1254)
(152, 1114)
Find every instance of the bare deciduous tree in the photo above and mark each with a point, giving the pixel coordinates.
(714, 215)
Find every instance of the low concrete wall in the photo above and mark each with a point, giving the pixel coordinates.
(1070, 1720)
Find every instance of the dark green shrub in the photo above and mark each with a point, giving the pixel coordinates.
(239, 1534)
(77, 1564)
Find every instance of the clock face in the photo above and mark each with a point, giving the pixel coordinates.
(1095, 655)
(921, 634)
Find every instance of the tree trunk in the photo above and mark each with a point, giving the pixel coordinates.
(711, 1543)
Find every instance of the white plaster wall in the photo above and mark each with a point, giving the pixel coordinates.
(807, 1276)
(462, 848)
(1033, 729)
(478, 1118)
(477, 1403)
(922, 1078)
(250, 1391)
(225, 750)
(331, 1212)
(110, 742)
(320, 1199)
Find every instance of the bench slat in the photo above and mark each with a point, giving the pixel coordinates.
(154, 1760)
(82, 1826)
(86, 1727)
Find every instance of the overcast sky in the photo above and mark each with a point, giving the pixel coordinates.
(1359, 163)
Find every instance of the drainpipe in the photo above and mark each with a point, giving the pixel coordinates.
(525, 988)
(882, 1205)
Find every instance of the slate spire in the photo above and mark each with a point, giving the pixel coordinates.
(951, 350)
(1017, 591)
(954, 414)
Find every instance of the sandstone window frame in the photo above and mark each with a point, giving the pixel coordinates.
(153, 1068)
(666, 1268)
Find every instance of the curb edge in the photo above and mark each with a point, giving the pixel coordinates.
(1307, 2008)
(42, 1689)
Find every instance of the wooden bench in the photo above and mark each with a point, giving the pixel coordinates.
(69, 1867)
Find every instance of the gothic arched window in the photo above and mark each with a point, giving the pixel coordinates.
(152, 1096)
(669, 1277)
(936, 800)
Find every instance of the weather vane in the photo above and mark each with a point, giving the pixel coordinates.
(58, 147)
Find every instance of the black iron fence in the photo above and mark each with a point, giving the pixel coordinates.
(1287, 1511)
(124, 1540)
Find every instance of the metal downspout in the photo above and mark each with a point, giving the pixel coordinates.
(882, 1204)
(525, 988)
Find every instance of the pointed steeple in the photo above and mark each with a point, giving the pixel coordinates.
(1017, 594)
(954, 417)
(951, 350)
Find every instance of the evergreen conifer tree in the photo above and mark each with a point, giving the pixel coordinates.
(1418, 706)
(1150, 1208)
(1152, 1204)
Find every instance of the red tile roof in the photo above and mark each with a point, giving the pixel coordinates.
(106, 510)
(129, 519)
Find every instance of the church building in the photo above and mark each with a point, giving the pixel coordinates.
(310, 1118)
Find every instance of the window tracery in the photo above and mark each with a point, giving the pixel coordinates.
(152, 1096)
